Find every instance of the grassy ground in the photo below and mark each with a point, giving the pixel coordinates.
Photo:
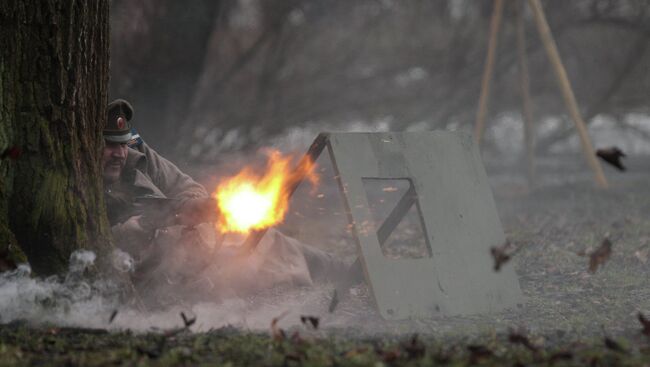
(571, 316)
(22, 345)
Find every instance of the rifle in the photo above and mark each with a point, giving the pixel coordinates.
(160, 212)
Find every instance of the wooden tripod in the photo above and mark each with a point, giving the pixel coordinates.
(560, 73)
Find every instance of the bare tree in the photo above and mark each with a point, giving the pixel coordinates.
(273, 65)
(158, 49)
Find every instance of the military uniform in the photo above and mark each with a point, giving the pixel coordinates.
(147, 174)
(183, 257)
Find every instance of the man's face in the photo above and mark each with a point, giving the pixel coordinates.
(113, 160)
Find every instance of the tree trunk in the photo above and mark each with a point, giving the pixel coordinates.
(53, 95)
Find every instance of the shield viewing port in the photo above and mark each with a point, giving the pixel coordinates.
(396, 218)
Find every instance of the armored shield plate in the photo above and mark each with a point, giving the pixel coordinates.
(448, 186)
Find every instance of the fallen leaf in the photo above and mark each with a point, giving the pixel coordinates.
(563, 355)
(389, 356)
(500, 258)
(152, 353)
(520, 338)
(612, 155)
(502, 254)
(414, 348)
(292, 357)
(296, 338)
(310, 320)
(614, 345)
(600, 255)
(188, 322)
(276, 332)
(478, 353)
(645, 323)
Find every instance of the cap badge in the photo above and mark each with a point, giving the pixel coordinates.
(120, 123)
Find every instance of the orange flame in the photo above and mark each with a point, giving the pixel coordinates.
(250, 201)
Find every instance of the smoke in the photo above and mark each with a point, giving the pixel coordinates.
(555, 225)
(253, 302)
(75, 301)
(63, 300)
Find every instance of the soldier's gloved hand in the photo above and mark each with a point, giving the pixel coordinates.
(197, 211)
(132, 234)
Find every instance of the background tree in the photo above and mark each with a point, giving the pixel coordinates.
(53, 93)
(261, 68)
(157, 54)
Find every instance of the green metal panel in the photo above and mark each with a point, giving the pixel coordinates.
(457, 210)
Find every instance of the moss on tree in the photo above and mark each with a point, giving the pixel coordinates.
(53, 83)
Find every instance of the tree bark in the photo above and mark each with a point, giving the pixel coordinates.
(53, 94)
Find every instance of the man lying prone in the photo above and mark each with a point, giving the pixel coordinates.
(161, 217)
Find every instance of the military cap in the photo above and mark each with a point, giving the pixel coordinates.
(118, 129)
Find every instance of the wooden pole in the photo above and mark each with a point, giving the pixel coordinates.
(495, 22)
(567, 92)
(524, 85)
